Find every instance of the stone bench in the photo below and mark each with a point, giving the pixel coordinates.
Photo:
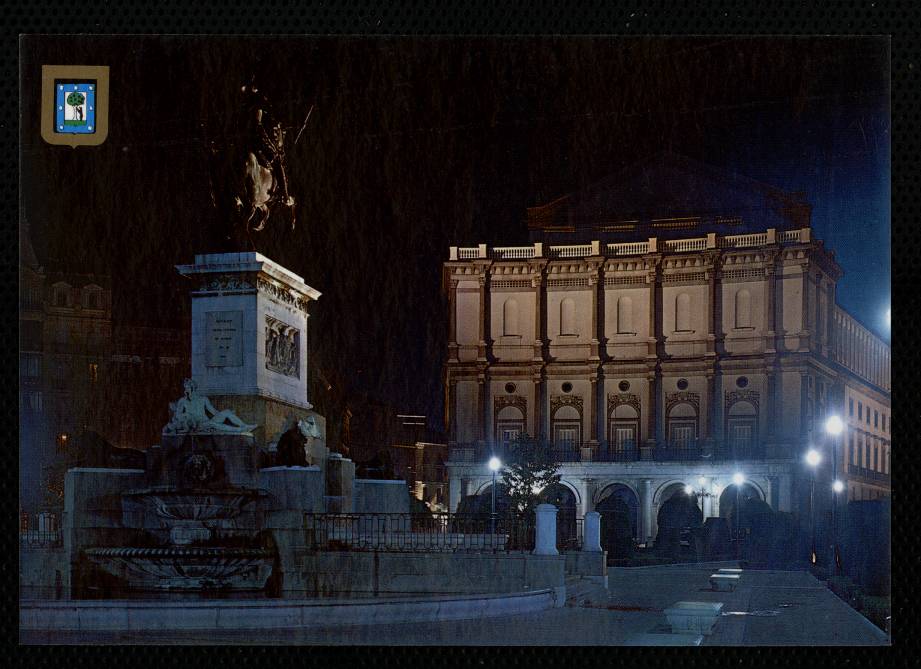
(724, 582)
(693, 617)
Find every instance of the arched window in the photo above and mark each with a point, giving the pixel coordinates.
(509, 424)
(742, 429)
(510, 318)
(683, 313)
(567, 316)
(682, 427)
(625, 315)
(623, 432)
(743, 309)
(566, 427)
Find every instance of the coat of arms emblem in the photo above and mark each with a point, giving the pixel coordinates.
(75, 104)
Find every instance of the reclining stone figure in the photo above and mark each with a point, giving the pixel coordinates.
(194, 413)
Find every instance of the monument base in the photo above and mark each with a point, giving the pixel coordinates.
(272, 416)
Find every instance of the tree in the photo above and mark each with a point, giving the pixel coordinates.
(529, 468)
(76, 101)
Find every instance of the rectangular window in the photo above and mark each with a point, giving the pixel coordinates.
(868, 415)
(884, 422)
(850, 406)
(741, 436)
(682, 434)
(875, 418)
(623, 435)
(876, 458)
(34, 401)
(866, 455)
(860, 411)
(853, 452)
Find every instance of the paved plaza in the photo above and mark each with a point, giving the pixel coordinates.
(768, 608)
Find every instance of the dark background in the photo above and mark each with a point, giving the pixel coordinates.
(418, 144)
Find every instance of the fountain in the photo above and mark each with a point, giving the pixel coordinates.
(219, 504)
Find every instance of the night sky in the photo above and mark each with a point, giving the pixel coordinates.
(418, 144)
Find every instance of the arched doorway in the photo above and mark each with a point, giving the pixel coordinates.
(565, 501)
(678, 515)
(619, 509)
(746, 499)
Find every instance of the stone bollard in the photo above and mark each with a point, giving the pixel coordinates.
(545, 539)
(591, 532)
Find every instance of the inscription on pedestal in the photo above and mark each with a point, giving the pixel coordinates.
(224, 338)
(282, 348)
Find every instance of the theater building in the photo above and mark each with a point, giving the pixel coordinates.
(671, 326)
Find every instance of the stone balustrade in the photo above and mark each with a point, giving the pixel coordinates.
(652, 245)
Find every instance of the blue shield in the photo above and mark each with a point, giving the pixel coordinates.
(75, 107)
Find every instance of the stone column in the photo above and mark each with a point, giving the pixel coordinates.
(807, 285)
(652, 392)
(454, 493)
(591, 540)
(545, 536)
(484, 333)
(540, 315)
(452, 410)
(773, 492)
(481, 408)
(593, 413)
(538, 405)
(710, 415)
(713, 325)
(452, 322)
(771, 379)
(648, 520)
(596, 283)
(769, 302)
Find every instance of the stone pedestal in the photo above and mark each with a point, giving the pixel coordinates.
(545, 539)
(591, 540)
(249, 338)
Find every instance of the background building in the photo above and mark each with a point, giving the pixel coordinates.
(687, 330)
(83, 373)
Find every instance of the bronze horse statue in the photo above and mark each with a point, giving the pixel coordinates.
(254, 172)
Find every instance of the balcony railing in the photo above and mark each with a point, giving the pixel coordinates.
(652, 245)
(868, 474)
(629, 452)
(40, 529)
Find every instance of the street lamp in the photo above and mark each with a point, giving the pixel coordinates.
(495, 464)
(812, 459)
(738, 479)
(834, 426)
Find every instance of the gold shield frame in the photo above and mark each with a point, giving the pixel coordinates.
(51, 73)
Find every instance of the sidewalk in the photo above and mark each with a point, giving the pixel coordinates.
(768, 608)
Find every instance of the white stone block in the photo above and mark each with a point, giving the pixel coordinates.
(724, 582)
(695, 617)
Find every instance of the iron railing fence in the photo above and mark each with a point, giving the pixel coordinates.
(436, 532)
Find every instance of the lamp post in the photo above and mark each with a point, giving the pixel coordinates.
(495, 465)
(738, 479)
(812, 458)
(835, 426)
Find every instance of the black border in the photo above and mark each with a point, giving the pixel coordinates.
(898, 19)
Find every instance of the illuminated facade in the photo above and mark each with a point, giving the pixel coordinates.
(674, 360)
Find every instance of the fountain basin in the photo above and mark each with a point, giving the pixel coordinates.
(186, 568)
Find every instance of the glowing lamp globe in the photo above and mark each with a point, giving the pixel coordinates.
(834, 426)
(837, 486)
(495, 464)
(813, 458)
(738, 478)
